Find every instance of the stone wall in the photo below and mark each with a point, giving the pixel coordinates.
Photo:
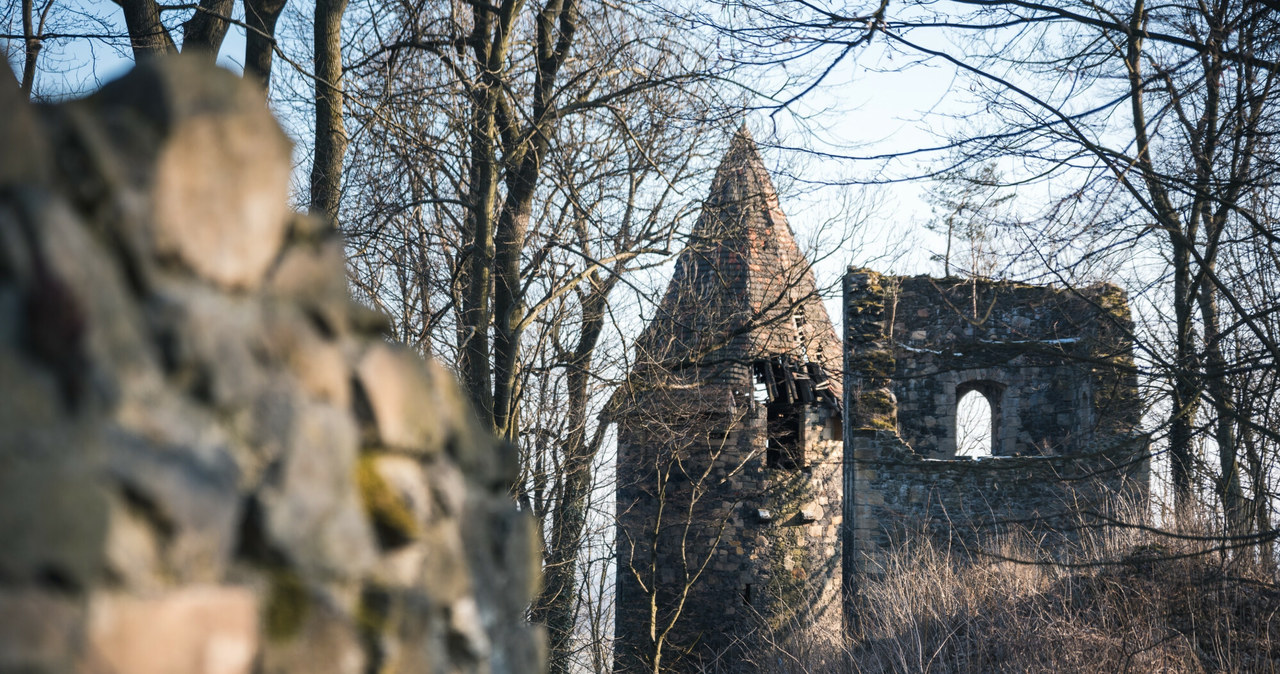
(211, 460)
(1058, 367)
(965, 504)
(745, 552)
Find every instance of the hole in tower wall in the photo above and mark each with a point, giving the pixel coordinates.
(789, 387)
(975, 421)
(786, 389)
(786, 436)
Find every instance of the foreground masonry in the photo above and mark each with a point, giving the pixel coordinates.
(211, 460)
(764, 462)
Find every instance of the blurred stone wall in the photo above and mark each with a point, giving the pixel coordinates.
(211, 460)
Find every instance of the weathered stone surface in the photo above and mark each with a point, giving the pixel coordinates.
(25, 155)
(40, 631)
(192, 499)
(321, 369)
(211, 342)
(308, 271)
(189, 482)
(325, 641)
(406, 407)
(197, 630)
(133, 554)
(219, 175)
(53, 522)
(396, 493)
(313, 512)
(1064, 439)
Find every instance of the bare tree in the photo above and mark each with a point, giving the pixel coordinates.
(512, 167)
(967, 213)
(203, 32)
(260, 29)
(32, 29)
(330, 133)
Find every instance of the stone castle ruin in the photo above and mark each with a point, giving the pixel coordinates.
(212, 461)
(764, 463)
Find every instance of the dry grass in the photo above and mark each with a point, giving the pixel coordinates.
(1119, 601)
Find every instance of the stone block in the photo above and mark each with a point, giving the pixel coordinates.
(186, 487)
(313, 510)
(313, 272)
(195, 630)
(408, 411)
(319, 363)
(219, 165)
(40, 631)
(395, 493)
(54, 521)
(133, 554)
(212, 341)
(324, 641)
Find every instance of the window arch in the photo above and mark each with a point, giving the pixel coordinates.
(977, 418)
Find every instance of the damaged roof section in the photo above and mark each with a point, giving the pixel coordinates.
(788, 381)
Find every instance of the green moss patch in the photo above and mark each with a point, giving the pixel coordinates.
(393, 522)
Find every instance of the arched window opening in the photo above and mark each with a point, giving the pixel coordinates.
(975, 425)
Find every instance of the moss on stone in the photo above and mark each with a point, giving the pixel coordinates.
(288, 603)
(1114, 300)
(392, 519)
(373, 613)
(788, 584)
(875, 410)
(877, 363)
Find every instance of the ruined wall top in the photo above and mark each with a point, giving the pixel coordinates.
(1055, 364)
(211, 459)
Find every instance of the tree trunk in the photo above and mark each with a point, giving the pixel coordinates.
(1185, 371)
(508, 305)
(260, 42)
(204, 31)
(32, 47)
(147, 33)
(331, 136)
(488, 44)
(1186, 390)
(556, 604)
(1219, 389)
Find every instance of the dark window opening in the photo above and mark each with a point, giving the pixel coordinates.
(789, 387)
(786, 436)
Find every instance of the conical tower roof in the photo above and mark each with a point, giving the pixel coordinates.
(742, 291)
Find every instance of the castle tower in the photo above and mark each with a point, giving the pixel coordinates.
(729, 446)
